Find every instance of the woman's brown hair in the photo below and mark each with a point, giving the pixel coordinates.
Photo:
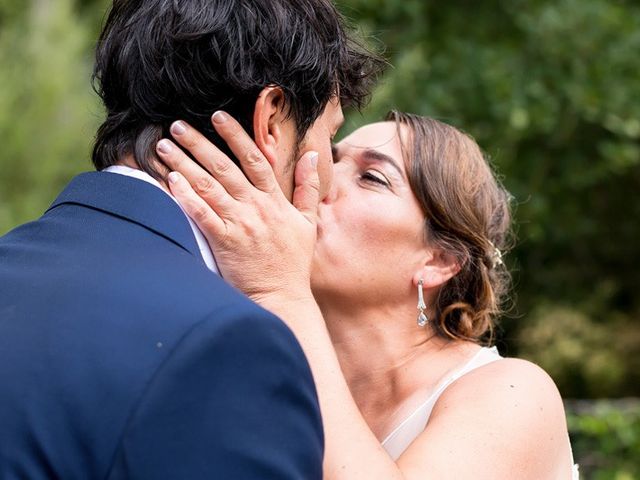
(467, 215)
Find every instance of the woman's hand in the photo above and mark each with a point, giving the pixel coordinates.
(263, 244)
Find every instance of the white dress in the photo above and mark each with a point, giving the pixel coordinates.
(405, 433)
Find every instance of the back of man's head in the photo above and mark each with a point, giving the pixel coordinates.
(162, 60)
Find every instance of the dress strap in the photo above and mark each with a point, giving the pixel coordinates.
(399, 439)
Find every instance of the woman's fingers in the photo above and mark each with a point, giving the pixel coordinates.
(210, 157)
(208, 221)
(207, 188)
(254, 164)
(306, 195)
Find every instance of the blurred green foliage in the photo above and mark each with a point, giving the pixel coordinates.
(48, 113)
(549, 88)
(606, 438)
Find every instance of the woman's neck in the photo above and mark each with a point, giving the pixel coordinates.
(383, 354)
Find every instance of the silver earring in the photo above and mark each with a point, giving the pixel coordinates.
(422, 317)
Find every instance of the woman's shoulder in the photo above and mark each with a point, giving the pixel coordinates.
(505, 372)
(512, 407)
(510, 384)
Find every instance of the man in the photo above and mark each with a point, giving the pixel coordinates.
(122, 353)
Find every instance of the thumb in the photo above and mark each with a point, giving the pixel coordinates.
(306, 194)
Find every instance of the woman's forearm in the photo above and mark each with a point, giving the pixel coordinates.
(351, 450)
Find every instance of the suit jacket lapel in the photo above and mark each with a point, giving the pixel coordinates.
(133, 200)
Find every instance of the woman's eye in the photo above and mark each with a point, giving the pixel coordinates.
(369, 176)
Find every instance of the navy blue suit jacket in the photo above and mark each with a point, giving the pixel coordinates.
(123, 356)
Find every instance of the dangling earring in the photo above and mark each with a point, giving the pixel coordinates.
(422, 317)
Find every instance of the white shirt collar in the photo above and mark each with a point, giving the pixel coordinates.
(205, 250)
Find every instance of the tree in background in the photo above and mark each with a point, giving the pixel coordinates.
(550, 89)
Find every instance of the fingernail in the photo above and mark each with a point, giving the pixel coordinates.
(164, 146)
(178, 128)
(219, 117)
(314, 159)
(173, 177)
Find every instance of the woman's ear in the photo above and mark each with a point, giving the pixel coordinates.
(438, 268)
(269, 118)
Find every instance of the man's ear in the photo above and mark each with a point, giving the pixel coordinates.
(269, 118)
(438, 268)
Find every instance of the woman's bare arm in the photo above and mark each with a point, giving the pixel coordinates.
(477, 431)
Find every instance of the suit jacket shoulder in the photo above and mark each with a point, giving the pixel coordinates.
(111, 322)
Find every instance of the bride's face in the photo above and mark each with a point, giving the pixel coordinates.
(371, 228)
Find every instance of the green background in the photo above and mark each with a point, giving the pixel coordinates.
(550, 90)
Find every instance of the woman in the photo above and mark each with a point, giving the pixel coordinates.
(414, 218)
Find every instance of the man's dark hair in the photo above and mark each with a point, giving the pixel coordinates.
(162, 60)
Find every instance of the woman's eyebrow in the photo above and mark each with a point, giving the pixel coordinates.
(374, 155)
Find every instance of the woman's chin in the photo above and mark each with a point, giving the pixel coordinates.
(319, 285)
(316, 263)
(325, 273)
(316, 280)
